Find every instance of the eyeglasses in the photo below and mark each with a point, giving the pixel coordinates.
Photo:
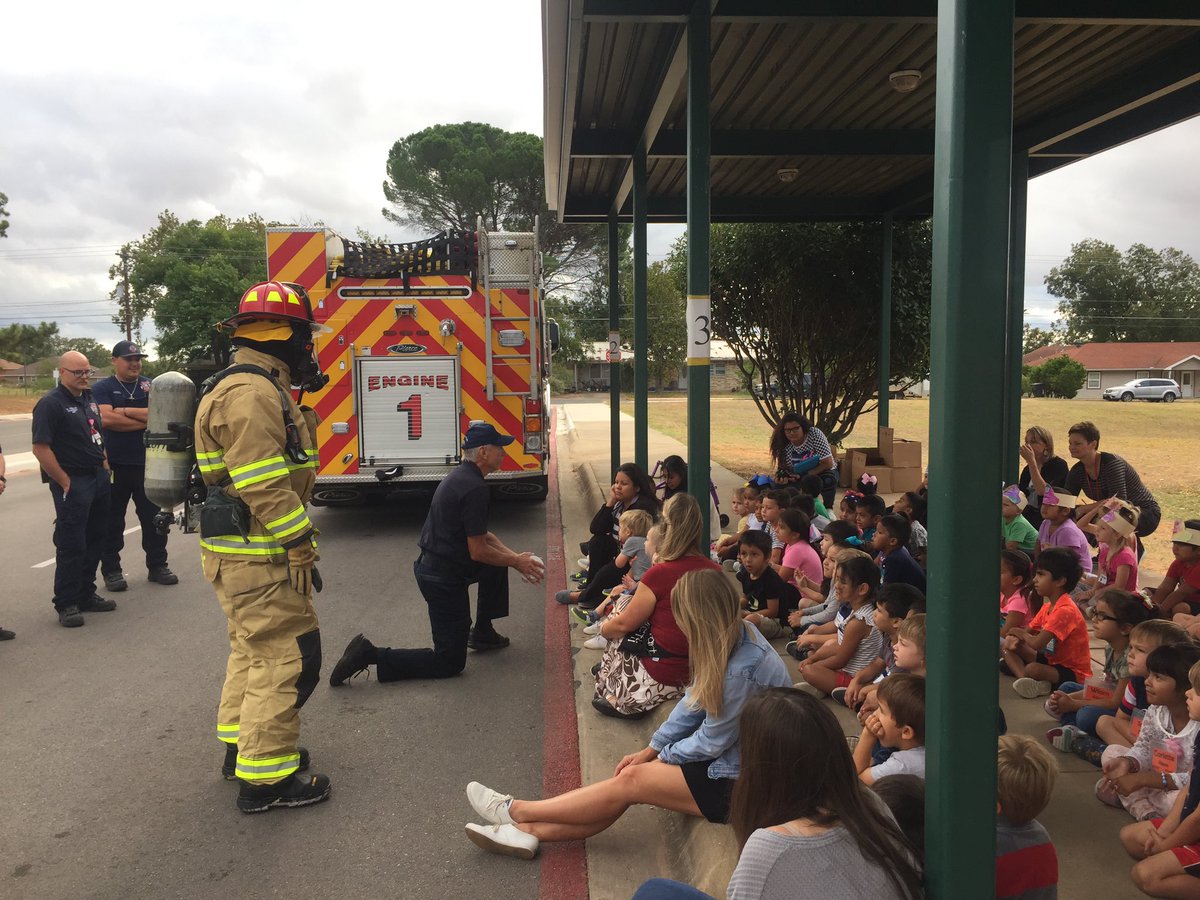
(789, 429)
(80, 373)
(1101, 617)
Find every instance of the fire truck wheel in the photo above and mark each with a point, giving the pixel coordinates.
(336, 497)
(527, 489)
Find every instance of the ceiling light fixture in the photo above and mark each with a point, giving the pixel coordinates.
(905, 81)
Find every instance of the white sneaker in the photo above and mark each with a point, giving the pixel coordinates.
(594, 628)
(490, 804)
(583, 562)
(507, 840)
(596, 642)
(1029, 688)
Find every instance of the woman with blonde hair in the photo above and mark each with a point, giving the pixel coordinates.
(693, 759)
(1042, 467)
(646, 662)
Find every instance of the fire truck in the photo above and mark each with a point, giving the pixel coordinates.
(420, 340)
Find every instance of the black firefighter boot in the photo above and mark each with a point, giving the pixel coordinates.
(295, 790)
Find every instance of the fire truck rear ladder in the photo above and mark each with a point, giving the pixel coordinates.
(506, 279)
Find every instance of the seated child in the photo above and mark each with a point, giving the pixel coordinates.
(898, 723)
(1079, 706)
(805, 504)
(867, 513)
(908, 651)
(895, 562)
(1122, 728)
(1016, 586)
(727, 544)
(632, 527)
(1145, 777)
(892, 607)
(1179, 591)
(799, 558)
(1168, 848)
(834, 662)
(620, 596)
(1026, 862)
(1117, 563)
(805, 618)
(1054, 648)
(766, 597)
(811, 486)
(772, 504)
(1018, 531)
(913, 505)
(848, 508)
(904, 796)
(1058, 528)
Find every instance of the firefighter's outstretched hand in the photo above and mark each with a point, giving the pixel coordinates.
(531, 567)
(300, 567)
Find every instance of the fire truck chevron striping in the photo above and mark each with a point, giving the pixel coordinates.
(422, 339)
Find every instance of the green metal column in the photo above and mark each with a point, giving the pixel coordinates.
(972, 169)
(699, 305)
(614, 340)
(1014, 350)
(641, 384)
(885, 324)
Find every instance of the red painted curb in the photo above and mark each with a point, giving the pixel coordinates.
(564, 865)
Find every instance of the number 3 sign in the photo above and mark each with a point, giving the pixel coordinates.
(699, 330)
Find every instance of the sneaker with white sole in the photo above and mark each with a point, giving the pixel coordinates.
(1029, 688)
(507, 840)
(596, 642)
(594, 628)
(583, 562)
(491, 805)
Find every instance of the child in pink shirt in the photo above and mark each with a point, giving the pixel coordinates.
(799, 558)
(1113, 523)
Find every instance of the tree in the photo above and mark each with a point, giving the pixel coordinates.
(1062, 376)
(4, 213)
(447, 175)
(1037, 338)
(666, 337)
(29, 343)
(97, 354)
(1143, 295)
(796, 299)
(190, 276)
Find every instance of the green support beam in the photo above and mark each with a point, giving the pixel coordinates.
(641, 383)
(1015, 345)
(972, 170)
(614, 340)
(885, 325)
(699, 305)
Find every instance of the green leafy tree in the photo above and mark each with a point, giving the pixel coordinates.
(97, 354)
(1037, 338)
(190, 275)
(4, 213)
(796, 299)
(447, 175)
(666, 337)
(1143, 295)
(1062, 376)
(28, 343)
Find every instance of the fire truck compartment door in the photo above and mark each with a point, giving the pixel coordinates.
(407, 409)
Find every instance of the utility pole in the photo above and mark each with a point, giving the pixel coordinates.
(126, 300)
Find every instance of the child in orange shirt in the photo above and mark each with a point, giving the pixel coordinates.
(1054, 648)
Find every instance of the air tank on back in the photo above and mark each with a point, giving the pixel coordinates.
(169, 439)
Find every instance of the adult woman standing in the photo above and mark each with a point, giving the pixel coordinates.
(693, 758)
(653, 667)
(1042, 467)
(631, 489)
(799, 448)
(1105, 475)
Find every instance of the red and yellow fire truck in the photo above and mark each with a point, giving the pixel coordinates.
(423, 339)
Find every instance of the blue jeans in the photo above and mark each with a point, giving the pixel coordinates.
(666, 889)
(1086, 718)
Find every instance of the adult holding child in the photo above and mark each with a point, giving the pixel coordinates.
(1042, 467)
(1104, 475)
(631, 489)
(799, 448)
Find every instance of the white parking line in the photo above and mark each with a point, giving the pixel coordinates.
(50, 561)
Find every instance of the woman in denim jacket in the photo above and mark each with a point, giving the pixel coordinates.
(692, 761)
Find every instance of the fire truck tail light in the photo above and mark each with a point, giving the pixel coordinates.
(533, 443)
(533, 424)
(533, 407)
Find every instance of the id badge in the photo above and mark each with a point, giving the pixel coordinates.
(1135, 723)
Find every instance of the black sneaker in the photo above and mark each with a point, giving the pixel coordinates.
(839, 695)
(359, 654)
(163, 575)
(295, 790)
(6, 635)
(115, 581)
(795, 651)
(229, 767)
(96, 603)
(489, 640)
(70, 617)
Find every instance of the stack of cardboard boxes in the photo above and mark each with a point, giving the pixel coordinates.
(895, 464)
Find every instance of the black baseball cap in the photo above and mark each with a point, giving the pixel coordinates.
(483, 434)
(127, 350)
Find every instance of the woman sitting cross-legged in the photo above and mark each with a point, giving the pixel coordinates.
(692, 761)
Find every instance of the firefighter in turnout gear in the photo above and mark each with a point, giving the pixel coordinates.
(256, 451)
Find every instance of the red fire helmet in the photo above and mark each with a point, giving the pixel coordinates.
(274, 300)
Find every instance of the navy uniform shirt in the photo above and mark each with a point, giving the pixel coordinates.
(459, 510)
(125, 448)
(71, 426)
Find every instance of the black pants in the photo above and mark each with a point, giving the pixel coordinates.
(81, 517)
(129, 482)
(445, 593)
(606, 579)
(602, 550)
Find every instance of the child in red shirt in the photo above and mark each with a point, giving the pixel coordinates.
(1182, 584)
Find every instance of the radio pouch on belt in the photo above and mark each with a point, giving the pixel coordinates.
(222, 516)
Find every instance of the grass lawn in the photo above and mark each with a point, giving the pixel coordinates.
(1153, 437)
(18, 400)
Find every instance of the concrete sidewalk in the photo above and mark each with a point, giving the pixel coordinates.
(650, 842)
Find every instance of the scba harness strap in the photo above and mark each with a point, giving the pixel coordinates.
(292, 445)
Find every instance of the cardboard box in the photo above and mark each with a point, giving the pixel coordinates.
(868, 460)
(907, 478)
(898, 454)
(843, 462)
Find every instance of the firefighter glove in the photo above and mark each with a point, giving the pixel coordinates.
(300, 566)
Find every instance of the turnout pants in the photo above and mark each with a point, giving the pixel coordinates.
(274, 664)
(445, 591)
(80, 519)
(129, 483)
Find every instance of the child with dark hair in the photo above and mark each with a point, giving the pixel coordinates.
(808, 506)
(1058, 528)
(1018, 532)
(834, 662)
(1146, 777)
(913, 507)
(772, 504)
(811, 486)
(867, 513)
(1016, 586)
(819, 604)
(898, 723)
(1055, 647)
(766, 597)
(799, 558)
(895, 562)
(1122, 728)
(1179, 591)
(848, 508)
(904, 796)
(1026, 862)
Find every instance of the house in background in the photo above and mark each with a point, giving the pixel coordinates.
(1111, 364)
(592, 373)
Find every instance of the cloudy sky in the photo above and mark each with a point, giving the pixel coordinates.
(116, 112)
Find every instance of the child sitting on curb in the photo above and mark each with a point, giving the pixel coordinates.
(898, 723)
(1179, 592)
(1026, 862)
(1122, 728)
(1016, 590)
(1168, 849)
(632, 528)
(619, 598)
(766, 597)
(1055, 647)
(1145, 777)
(1018, 533)
(895, 562)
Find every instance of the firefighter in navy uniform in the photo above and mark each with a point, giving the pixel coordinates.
(256, 452)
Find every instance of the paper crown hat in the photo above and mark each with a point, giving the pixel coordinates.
(1184, 535)
(1059, 497)
(1013, 495)
(1117, 522)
